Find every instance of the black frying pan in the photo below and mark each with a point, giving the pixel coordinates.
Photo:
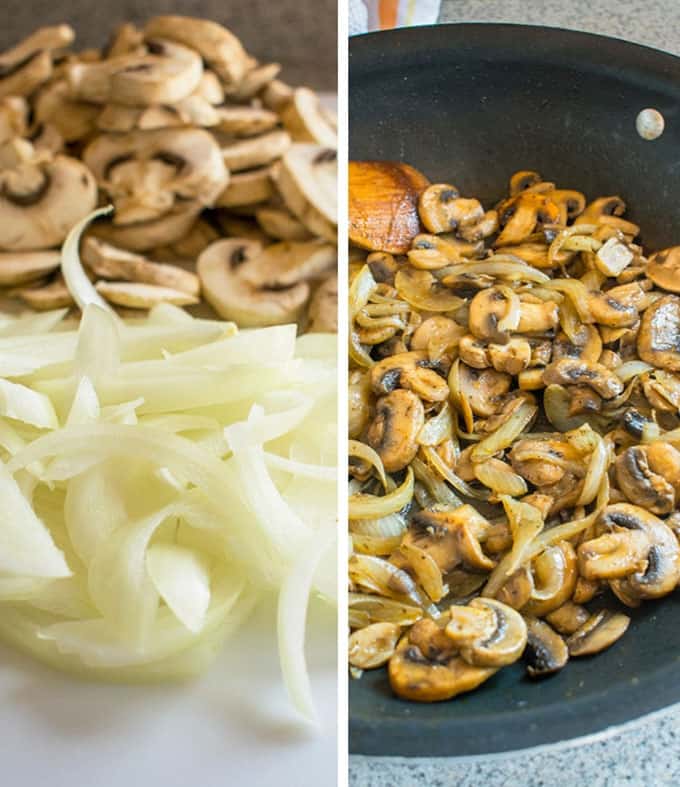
(469, 105)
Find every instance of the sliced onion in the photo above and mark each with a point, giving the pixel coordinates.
(363, 506)
(367, 454)
(439, 490)
(438, 428)
(448, 475)
(577, 293)
(502, 266)
(424, 291)
(597, 468)
(506, 434)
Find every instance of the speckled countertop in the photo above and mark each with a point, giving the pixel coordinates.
(645, 752)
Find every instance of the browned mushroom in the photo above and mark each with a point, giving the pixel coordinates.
(649, 476)
(432, 670)
(599, 632)
(659, 336)
(412, 370)
(393, 433)
(546, 652)
(663, 268)
(373, 646)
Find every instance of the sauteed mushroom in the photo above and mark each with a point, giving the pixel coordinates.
(563, 320)
(394, 431)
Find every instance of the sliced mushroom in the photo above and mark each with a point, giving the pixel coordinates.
(575, 372)
(247, 188)
(306, 178)
(258, 79)
(599, 632)
(29, 64)
(220, 269)
(598, 209)
(483, 390)
(437, 335)
(537, 317)
(259, 151)
(497, 644)
(145, 235)
(520, 215)
(663, 268)
(280, 223)
(393, 433)
(135, 295)
(165, 73)
(494, 313)
(41, 199)
(218, 47)
(412, 370)
(13, 118)
(659, 336)
(613, 555)
(246, 121)
(442, 209)
(24, 267)
(543, 461)
(517, 589)
(109, 262)
(649, 475)
(568, 618)
(54, 295)
(663, 558)
(281, 265)
(513, 357)
(373, 646)
(303, 118)
(555, 573)
(323, 307)
(154, 175)
(276, 95)
(619, 306)
(439, 674)
(546, 652)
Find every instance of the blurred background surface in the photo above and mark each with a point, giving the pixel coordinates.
(299, 34)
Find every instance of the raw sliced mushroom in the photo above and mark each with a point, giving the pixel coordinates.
(13, 118)
(259, 151)
(135, 295)
(306, 178)
(303, 118)
(41, 198)
(154, 175)
(218, 47)
(279, 223)
(393, 433)
(247, 188)
(258, 79)
(54, 295)
(323, 307)
(373, 646)
(599, 632)
(29, 64)
(108, 262)
(276, 95)
(24, 267)
(245, 121)
(281, 265)
(145, 235)
(437, 674)
(658, 340)
(166, 72)
(221, 267)
(546, 652)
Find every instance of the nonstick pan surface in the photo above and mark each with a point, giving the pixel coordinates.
(469, 105)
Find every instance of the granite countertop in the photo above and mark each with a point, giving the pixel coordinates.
(644, 752)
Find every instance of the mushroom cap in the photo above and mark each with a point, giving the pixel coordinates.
(62, 192)
(658, 339)
(640, 484)
(220, 268)
(220, 48)
(599, 632)
(663, 268)
(166, 73)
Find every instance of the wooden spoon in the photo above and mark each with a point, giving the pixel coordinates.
(383, 205)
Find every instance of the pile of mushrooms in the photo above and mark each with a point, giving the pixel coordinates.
(222, 177)
(514, 424)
